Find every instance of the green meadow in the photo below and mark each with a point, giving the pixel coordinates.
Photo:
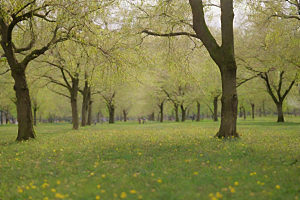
(168, 161)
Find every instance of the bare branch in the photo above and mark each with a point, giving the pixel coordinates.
(4, 72)
(58, 93)
(170, 34)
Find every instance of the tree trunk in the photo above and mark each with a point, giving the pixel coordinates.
(229, 102)
(263, 108)
(198, 112)
(244, 112)
(85, 105)
(216, 108)
(24, 112)
(111, 109)
(125, 115)
(252, 106)
(75, 119)
(183, 112)
(176, 113)
(89, 121)
(34, 116)
(1, 117)
(280, 117)
(259, 112)
(161, 110)
(241, 112)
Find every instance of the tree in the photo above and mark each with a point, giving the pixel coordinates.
(26, 17)
(223, 55)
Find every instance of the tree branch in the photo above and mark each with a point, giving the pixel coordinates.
(170, 34)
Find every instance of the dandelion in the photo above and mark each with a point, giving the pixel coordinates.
(33, 187)
(277, 187)
(152, 174)
(236, 183)
(258, 182)
(58, 182)
(140, 154)
(132, 192)
(97, 197)
(219, 195)
(92, 174)
(103, 175)
(115, 195)
(123, 195)
(20, 190)
(195, 173)
(53, 190)
(102, 191)
(211, 195)
(140, 197)
(220, 167)
(59, 196)
(159, 181)
(232, 190)
(98, 186)
(46, 198)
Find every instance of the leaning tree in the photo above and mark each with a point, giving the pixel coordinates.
(223, 55)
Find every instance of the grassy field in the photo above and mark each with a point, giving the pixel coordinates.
(152, 161)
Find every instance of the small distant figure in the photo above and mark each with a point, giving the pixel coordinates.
(144, 120)
(193, 118)
(95, 122)
(140, 120)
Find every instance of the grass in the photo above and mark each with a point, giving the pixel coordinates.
(152, 161)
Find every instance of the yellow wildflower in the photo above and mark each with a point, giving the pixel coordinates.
(132, 192)
(123, 195)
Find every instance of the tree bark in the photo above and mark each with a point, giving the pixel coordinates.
(176, 113)
(183, 113)
(89, 121)
(280, 117)
(25, 125)
(125, 115)
(198, 112)
(34, 116)
(229, 102)
(244, 113)
(111, 110)
(1, 117)
(74, 94)
(216, 108)
(161, 111)
(252, 106)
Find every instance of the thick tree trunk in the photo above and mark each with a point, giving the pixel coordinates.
(24, 112)
(89, 121)
(252, 106)
(280, 117)
(111, 109)
(229, 102)
(216, 108)
(183, 111)
(198, 112)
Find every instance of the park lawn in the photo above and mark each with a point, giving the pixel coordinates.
(152, 161)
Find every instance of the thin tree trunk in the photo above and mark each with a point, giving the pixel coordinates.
(1, 117)
(244, 113)
(252, 106)
(125, 115)
(259, 112)
(176, 113)
(216, 108)
(263, 108)
(75, 119)
(280, 117)
(241, 112)
(198, 112)
(34, 116)
(24, 112)
(85, 105)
